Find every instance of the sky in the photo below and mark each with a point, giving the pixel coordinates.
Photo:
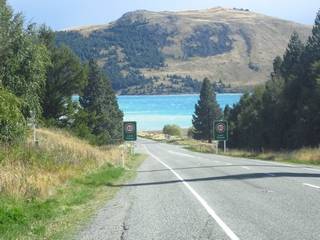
(61, 14)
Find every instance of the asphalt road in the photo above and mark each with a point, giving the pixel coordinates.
(179, 194)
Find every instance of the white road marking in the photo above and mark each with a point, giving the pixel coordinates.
(246, 167)
(312, 169)
(310, 185)
(181, 154)
(203, 202)
(229, 164)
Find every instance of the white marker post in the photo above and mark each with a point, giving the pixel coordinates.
(217, 147)
(33, 119)
(224, 146)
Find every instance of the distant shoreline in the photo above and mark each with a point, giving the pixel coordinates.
(183, 94)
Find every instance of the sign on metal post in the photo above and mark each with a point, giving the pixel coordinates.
(220, 130)
(220, 133)
(130, 131)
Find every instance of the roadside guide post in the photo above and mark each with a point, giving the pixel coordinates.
(220, 133)
(33, 122)
(129, 135)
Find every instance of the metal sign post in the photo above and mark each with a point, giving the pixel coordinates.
(129, 135)
(221, 133)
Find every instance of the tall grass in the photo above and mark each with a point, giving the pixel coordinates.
(46, 190)
(304, 155)
(35, 171)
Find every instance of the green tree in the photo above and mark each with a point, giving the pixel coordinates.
(104, 119)
(65, 77)
(206, 111)
(23, 60)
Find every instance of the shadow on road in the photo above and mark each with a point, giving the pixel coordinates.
(215, 166)
(227, 177)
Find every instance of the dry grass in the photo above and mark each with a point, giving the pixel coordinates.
(267, 37)
(36, 171)
(303, 156)
(191, 144)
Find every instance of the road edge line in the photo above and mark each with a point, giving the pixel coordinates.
(203, 202)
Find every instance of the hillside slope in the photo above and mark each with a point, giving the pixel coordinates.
(171, 52)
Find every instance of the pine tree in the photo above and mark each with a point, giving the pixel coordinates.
(291, 64)
(206, 111)
(100, 104)
(313, 44)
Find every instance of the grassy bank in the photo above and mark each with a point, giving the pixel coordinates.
(48, 189)
(302, 156)
(188, 143)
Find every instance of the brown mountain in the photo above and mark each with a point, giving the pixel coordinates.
(170, 52)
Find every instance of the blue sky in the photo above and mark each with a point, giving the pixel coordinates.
(60, 14)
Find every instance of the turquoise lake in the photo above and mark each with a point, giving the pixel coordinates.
(153, 112)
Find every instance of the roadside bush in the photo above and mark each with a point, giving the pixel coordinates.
(190, 132)
(172, 130)
(12, 123)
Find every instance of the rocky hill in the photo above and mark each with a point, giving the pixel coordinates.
(147, 52)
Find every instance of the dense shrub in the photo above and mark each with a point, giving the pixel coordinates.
(173, 130)
(12, 122)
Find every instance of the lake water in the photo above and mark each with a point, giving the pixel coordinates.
(153, 112)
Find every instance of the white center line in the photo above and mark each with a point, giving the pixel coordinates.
(203, 202)
(245, 167)
(181, 154)
(310, 185)
(312, 169)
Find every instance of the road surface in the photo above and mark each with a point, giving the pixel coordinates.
(179, 194)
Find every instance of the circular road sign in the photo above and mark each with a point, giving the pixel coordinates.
(130, 128)
(220, 127)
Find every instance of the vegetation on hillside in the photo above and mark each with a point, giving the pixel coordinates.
(138, 43)
(208, 41)
(141, 50)
(285, 113)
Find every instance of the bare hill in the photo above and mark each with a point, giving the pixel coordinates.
(168, 52)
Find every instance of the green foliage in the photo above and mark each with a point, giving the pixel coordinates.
(201, 42)
(206, 111)
(172, 130)
(65, 77)
(12, 122)
(100, 114)
(23, 61)
(285, 114)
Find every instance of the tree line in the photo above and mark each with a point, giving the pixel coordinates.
(285, 112)
(39, 77)
(282, 114)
